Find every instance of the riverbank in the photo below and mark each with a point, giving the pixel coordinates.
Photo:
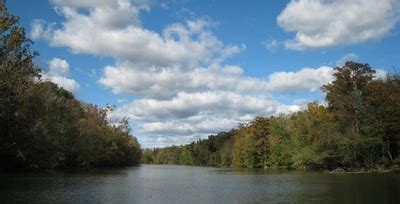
(77, 169)
(341, 170)
(393, 169)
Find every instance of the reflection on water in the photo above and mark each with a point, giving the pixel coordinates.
(182, 184)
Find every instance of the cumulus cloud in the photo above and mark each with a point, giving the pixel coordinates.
(163, 83)
(182, 86)
(113, 28)
(58, 70)
(66, 83)
(172, 71)
(320, 23)
(306, 79)
(186, 105)
(58, 66)
(167, 82)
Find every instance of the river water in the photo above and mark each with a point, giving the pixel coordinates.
(183, 184)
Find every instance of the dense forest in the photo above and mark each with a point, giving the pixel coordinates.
(44, 126)
(358, 128)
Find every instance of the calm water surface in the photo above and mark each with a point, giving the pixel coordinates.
(182, 184)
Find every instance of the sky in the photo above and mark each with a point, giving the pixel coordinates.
(181, 70)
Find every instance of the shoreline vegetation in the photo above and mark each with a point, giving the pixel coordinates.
(44, 126)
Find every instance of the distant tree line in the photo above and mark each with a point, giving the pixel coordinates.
(42, 126)
(359, 127)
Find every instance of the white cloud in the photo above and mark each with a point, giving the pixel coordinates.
(41, 29)
(66, 83)
(163, 83)
(380, 74)
(186, 105)
(113, 28)
(321, 23)
(57, 73)
(306, 79)
(58, 66)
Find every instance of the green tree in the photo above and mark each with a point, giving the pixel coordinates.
(346, 94)
(280, 143)
(43, 126)
(384, 115)
(361, 105)
(315, 137)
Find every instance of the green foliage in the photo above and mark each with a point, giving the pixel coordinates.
(315, 137)
(308, 157)
(346, 95)
(368, 114)
(44, 126)
(214, 151)
(280, 144)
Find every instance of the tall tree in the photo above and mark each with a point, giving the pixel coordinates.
(17, 73)
(346, 94)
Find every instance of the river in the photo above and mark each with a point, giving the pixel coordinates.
(183, 184)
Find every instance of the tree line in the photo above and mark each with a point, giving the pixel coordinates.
(43, 126)
(358, 128)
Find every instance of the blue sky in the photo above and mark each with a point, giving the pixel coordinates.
(184, 69)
